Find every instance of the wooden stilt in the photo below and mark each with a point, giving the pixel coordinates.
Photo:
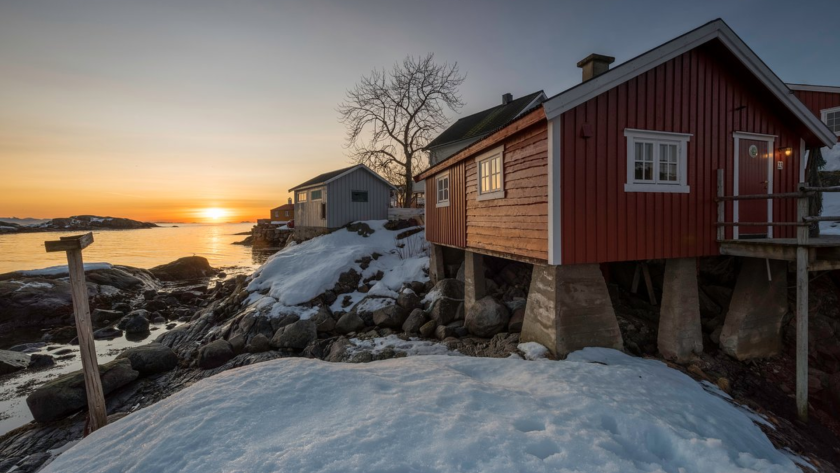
(73, 246)
(802, 311)
(637, 275)
(648, 284)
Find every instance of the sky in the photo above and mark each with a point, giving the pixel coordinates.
(160, 110)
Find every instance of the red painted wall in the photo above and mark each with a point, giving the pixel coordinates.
(817, 101)
(704, 92)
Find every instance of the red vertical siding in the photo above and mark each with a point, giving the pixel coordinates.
(447, 225)
(702, 92)
(817, 101)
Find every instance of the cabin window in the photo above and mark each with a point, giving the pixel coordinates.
(831, 117)
(316, 195)
(302, 196)
(656, 161)
(323, 210)
(287, 213)
(358, 196)
(442, 184)
(490, 174)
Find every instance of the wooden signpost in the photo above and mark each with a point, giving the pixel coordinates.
(73, 246)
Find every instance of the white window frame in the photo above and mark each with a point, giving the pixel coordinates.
(441, 177)
(301, 197)
(316, 190)
(824, 117)
(657, 138)
(287, 213)
(495, 153)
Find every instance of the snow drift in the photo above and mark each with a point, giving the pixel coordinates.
(436, 413)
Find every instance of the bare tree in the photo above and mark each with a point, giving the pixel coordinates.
(391, 116)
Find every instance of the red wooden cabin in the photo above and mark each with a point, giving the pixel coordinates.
(823, 101)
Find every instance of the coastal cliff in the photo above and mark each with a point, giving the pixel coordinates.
(77, 223)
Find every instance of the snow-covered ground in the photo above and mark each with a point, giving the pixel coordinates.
(436, 413)
(299, 273)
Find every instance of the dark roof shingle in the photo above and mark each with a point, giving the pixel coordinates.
(323, 178)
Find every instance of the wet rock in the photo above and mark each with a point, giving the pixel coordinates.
(65, 395)
(158, 319)
(12, 361)
(107, 333)
(295, 336)
(486, 318)
(136, 321)
(427, 329)
(415, 320)
(214, 354)
(103, 316)
(349, 322)
(150, 359)
(258, 344)
(390, 317)
(28, 347)
(408, 300)
(237, 343)
(188, 268)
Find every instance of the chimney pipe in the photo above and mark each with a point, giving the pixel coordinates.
(594, 65)
(290, 200)
(506, 99)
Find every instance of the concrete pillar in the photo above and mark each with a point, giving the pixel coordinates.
(753, 325)
(475, 286)
(569, 308)
(680, 330)
(436, 267)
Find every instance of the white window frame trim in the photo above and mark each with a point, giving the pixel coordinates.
(438, 178)
(305, 197)
(771, 163)
(681, 139)
(493, 153)
(315, 190)
(824, 117)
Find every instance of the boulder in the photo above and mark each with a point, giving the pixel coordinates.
(324, 321)
(516, 320)
(12, 361)
(408, 300)
(151, 359)
(392, 317)
(415, 320)
(214, 354)
(258, 344)
(295, 336)
(445, 310)
(237, 343)
(107, 333)
(38, 361)
(450, 288)
(486, 318)
(28, 347)
(60, 334)
(65, 395)
(103, 316)
(444, 331)
(158, 319)
(427, 329)
(349, 322)
(188, 268)
(136, 321)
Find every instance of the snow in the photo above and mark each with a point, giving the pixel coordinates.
(32, 285)
(59, 270)
(299, 273)
(533, 350)
(411, 347)
(436, 414)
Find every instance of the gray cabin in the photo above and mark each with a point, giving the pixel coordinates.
(334, 199)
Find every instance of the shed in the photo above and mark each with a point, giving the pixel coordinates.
(336, 198)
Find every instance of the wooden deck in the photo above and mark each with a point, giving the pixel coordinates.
(823, 252)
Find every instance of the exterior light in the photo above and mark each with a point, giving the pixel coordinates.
(787, 151)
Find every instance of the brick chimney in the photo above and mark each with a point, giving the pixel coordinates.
(507, 98)
(594, 65)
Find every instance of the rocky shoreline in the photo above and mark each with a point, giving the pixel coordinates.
(76, 223)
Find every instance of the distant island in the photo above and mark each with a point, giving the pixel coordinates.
(75, 223)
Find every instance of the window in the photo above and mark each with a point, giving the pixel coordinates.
(287, 213)
(490, 175)
(316, 195)
(274, 214)
(656, 161)
(831, 117)
(301, 196)
(358, 196)
(323, 210)
(442, 183)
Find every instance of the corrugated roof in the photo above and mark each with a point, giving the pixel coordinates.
(484, 122)
(323, 178)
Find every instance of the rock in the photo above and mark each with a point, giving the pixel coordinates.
(28, 347)
(445, 310)
(360, 228)
(450, 288)
(237, 343)
(408, 300)
(158, 319)
(136, 321)
(415, 320)
(102, 316)
(258, 344)
(324, 321)
(149, 294)
(12, 361)
(392, 317)
(295, 336)
(427, 329)
(107, 333)
(724, 385)
(349, 322)
(188, 268)
(516, 320)
(444, 331)
(60, 335)
(150, 359)
(123, 307)
(486, 318)
(66, 394)
(214, 354)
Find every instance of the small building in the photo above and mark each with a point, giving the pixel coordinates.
(284, 213)
(823, 101)
(334, 199)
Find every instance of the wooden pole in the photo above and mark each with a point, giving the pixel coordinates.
(720, 206)
(73, 246)
(802, 310)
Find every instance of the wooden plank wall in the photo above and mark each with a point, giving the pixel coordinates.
(818, 101)
(703, 92)
(517, 224)
(447, 225)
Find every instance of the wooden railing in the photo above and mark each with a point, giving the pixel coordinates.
(802, 223)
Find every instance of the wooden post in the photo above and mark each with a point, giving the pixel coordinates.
(73, 246)
(721, 209)
(802, 308)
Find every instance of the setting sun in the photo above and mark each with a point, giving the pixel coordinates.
(214, 213)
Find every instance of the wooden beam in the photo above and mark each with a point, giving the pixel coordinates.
(721, 206)
(69, 243)
(802, 258)
(648, 283)
(761, 224)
